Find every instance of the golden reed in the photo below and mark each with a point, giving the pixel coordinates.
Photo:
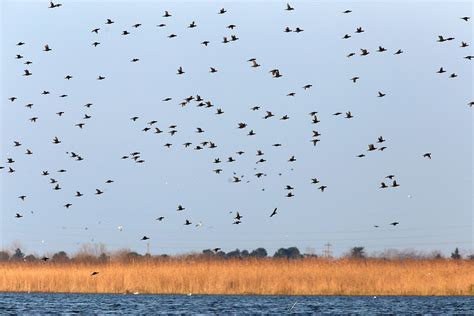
(310, 276)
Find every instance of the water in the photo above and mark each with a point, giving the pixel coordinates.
(210, 304)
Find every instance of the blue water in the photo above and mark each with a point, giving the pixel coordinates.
(14, 303)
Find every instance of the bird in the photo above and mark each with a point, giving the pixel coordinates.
(94, 273)
(380, 139)
(394, 223)
(268, 115)
(273, 213)
(212, 70)
(46, 48)
(349, 115)
(371, 147)
(68, 205)
(289, 8)
(98, 192)
(161, 218)
(275, 73)
(54, 5)
(96, 30)
(56, 140)
(180, 208)
(322, 188)
(427, 155)
(364, 52)
(180, 71)
(381, 49)
(222, 11)
(27, 73)
(167, 14)
(18, 215)
(354, 79)
(465, 18)
(383, 185)
(187, 222)
(395, 184)
(380, 94)
(145, 238)
(359, 30)
(79, 194)
(109, 21)
(205, 43)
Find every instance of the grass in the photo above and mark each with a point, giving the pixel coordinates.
(310, 276)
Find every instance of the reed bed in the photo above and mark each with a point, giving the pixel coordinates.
(310, 276)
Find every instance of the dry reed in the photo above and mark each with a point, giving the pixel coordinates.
(310, 276)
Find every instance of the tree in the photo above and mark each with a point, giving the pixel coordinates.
(233, 254)
(456, 255)
(60, 256)
(4, 256)
(18, 255)
(357, 253)
(31, 258)
(259, 253)
(289, 253)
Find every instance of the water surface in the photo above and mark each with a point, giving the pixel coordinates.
(224, 304)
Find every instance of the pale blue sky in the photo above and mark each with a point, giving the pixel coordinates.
(422, 112)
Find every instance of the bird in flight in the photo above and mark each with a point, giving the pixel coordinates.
(274, 212)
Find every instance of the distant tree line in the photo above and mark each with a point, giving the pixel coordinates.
(99, 255)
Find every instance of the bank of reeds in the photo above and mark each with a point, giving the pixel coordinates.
(309, 276)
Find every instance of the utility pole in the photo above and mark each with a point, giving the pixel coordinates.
(328, 250)
(148, 248)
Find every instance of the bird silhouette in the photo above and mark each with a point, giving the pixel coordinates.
(273, 213)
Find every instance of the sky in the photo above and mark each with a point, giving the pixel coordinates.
(421, 112)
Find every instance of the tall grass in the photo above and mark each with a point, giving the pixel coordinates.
(310, 276)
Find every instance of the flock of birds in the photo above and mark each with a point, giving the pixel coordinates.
(390, 181)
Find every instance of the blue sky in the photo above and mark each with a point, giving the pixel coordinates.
(422, 112)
